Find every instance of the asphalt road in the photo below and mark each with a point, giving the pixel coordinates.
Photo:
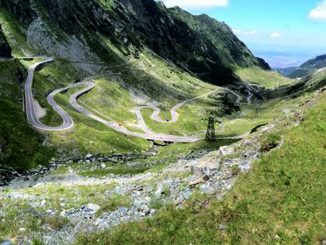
(30, 108)
(174, 114)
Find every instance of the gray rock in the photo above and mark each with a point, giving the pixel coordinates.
(92, 208)
(245, 165)
(159, 191)
(89, 156)
(207, 188)
(226, 150)
(184, 195)
(222, 227)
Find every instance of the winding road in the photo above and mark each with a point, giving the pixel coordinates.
(68, 122)
(174, 114)
(30, 106)
(148, 135)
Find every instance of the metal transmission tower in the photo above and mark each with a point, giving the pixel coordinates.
(210, 133)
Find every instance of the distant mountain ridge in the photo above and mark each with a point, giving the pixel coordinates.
(306, 69)
(315, 63)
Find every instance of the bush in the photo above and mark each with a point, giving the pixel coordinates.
(270, 142)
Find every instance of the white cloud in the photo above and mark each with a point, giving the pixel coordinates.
(196, 4)
(275, 35)
(319, 13)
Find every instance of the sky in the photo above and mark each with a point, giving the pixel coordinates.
(284, 32)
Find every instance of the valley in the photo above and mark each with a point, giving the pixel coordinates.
(104, 110)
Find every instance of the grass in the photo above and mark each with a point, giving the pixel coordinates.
(110, 99)
(267, 79)
(116, 170)
(89, 136)
(191, 121)
(270, 141)
(21, 147)
(281, 201)
(73, 196)
(257, 114)
(114, 202)
(16, 35)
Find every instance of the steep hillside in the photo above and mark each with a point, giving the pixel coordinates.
(133, 25)
(5, 50)
(20, 146)
(228, 46)
(137, 52)
(285, 188)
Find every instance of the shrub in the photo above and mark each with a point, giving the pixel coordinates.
(270, 142)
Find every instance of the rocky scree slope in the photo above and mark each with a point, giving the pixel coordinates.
(198, 44)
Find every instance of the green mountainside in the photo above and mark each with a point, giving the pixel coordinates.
(20, 146)
(142, 40)
(133, 25)
(5, 50)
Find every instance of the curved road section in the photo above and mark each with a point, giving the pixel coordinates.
(30, 105)
(174, 114)
(149, 135)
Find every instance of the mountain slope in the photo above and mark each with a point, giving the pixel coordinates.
(228, 46)
(209, 52)
(20, 146)
(137, 52)
(5, 50)
(306, 69)
(315, 63)
(285, 187)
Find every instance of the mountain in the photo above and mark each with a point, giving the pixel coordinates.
(198, 44)
(86, 37)
(306, 69)
(315, 63)
(295, 72)
(137, 52)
